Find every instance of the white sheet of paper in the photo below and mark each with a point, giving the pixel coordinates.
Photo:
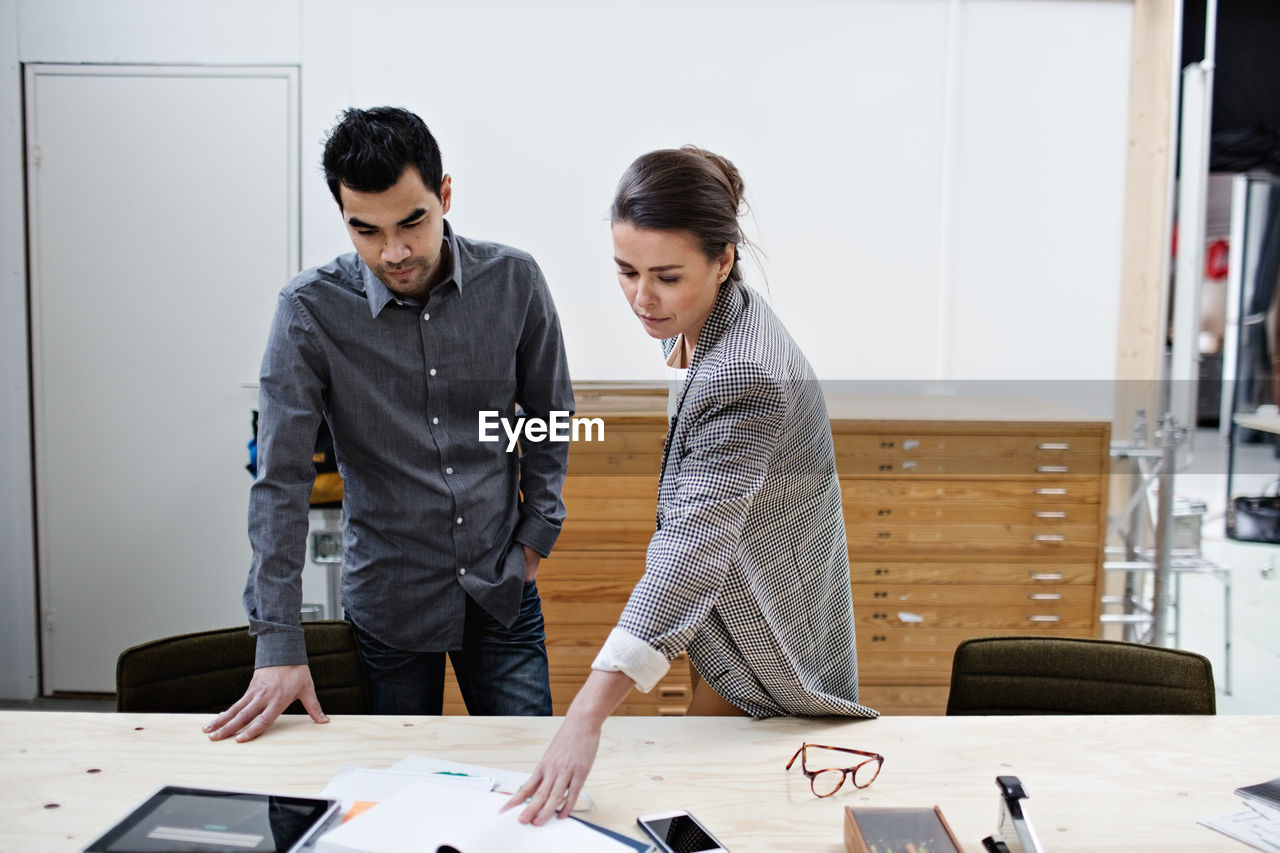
(352, 784)
(506, 781)
(1247, 826)
(425, 815)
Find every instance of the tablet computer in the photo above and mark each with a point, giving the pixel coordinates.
(178, 819)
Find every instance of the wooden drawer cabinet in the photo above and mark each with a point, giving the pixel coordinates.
(995, 538)
(903, 699)
(1031, 573)
(919, 453)
(964, 518)
(970, 606)
(959, 526)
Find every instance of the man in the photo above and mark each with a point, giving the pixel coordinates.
(400, 346)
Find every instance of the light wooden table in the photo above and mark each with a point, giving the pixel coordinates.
(1095, 783)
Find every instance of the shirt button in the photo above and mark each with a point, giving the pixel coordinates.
(435, 420)
(426, 317)
(462, 571)
(459, 519)
(448, 470)
(433, 371)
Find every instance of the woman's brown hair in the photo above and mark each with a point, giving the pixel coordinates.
(684, 189)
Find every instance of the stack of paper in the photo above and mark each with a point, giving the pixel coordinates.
(1258, 825)
(424, 804)
(427, 817)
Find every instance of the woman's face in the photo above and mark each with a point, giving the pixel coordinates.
(668, 280)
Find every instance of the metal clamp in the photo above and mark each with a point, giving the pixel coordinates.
(1014, 833)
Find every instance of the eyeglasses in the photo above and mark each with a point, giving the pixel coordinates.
(827, 781)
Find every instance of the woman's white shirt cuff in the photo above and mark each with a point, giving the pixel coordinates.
(638, 660)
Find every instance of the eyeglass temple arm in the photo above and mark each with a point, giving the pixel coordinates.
(845, 749)
(797, 755)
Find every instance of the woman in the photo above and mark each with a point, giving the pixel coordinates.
(748, 570)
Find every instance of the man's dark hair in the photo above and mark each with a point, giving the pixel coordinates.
(368, 150)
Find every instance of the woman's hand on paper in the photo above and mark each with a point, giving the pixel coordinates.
(270, 691)
(557, 781)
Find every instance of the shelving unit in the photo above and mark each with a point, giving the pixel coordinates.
(1153, 513)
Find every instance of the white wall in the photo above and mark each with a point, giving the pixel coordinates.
(932, 181)
(1038, 198)
(18, 671)
(181, 31)
(937, 184)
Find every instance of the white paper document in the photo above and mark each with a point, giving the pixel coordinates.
(1248, 826)
(427, 816)
(354, 784)
(504, 780)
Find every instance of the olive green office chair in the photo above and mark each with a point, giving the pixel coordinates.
(208, 671)
(1061, 675)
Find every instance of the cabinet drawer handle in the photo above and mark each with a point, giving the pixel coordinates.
(1039, 618)
(1049, 514)
(673, 692)
(670, 711)
(1050, 492)
(1052, 469)
(1049, 537)
(1045, 596)
(1053, 445)
(1046, 576)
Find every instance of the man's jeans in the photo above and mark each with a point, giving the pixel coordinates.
(502, 671)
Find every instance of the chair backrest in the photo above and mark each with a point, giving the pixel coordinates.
(1061, 675)
(206, 672)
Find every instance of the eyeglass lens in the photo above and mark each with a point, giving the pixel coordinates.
(827, 780)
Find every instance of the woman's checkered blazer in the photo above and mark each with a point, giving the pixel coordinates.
(748, 568)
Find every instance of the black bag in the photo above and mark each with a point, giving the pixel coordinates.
(1254, 519)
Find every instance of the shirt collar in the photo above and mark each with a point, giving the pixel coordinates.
(729, 303)
(379, 295)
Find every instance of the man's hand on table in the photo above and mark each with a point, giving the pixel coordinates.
(272, 689)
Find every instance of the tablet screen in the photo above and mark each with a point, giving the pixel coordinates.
(199, 820)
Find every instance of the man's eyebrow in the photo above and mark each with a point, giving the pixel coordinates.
(418, 213)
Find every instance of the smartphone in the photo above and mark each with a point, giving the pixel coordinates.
(679, 832)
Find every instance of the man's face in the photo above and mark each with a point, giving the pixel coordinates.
(399, 233)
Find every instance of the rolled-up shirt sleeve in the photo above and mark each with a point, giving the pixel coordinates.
(632, 656)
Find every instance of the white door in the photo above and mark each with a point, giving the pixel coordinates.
(163, 220)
